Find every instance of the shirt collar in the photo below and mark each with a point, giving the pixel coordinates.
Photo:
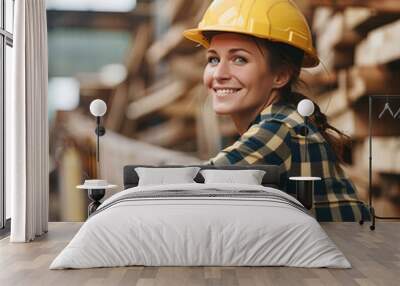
(278, 110)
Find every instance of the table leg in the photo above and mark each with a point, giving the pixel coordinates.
(305, 193)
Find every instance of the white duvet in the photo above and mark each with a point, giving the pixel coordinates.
(183, 231)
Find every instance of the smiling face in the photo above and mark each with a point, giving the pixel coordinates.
(237, 75)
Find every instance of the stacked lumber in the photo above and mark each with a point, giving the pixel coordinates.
(381, 46)
(159, 104)
(358, 48)
(159, 101)
(358, 45)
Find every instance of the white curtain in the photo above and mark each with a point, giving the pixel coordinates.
(27, 124)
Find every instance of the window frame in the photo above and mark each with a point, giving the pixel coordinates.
(6, 39)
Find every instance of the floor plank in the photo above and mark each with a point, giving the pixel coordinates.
(374, 255)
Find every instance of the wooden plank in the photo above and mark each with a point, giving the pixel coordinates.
(187, 106)
(136, 91)
(171, 39)
(73, 206)
(156, 100)
(326, 41)
(363, 20)
(391, 6)
(159, 84)
(91, 85)
(335, 44)
(184, 108)
(137, 88)
(343, 58)
(321, 81)
(174, 11)
(385, 156)
(173, 42)
(140, 42)
(189, 67)
(388, 207)
(333, 103)
(90, 80)
(116, 108)
(347, 41)
(376, 20)
(380, 47)
(193, 10)
(369, 80)
(168, 134)
(321, 19)
(346, 123)
(355, 16)
(171, 8)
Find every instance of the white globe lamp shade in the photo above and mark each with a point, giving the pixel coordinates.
(305, 107)
(98, 107)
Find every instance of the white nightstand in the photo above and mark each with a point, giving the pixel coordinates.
(96, 190)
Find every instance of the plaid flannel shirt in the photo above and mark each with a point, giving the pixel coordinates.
(276, 137)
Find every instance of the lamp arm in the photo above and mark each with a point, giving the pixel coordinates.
(97, 139)
(305, 138)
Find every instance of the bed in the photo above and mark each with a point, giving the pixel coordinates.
(201, 224)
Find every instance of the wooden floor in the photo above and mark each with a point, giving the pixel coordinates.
(374, 255)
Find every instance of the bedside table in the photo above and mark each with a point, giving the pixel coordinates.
(96, 190)
(305, 190)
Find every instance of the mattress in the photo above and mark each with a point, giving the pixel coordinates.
(201, 225)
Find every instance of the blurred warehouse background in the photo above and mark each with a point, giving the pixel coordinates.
(132, 55)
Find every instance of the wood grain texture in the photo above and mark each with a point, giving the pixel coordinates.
(375, 257)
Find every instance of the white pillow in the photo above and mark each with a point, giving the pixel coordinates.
(248, 177)
(163, 176)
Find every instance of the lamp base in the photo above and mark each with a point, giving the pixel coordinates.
(305, 190)
(95, 195)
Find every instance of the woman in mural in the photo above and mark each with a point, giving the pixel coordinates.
(255, 52)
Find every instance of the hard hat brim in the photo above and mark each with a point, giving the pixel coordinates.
(196, 35)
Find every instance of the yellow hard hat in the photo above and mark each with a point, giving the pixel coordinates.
(275, 20)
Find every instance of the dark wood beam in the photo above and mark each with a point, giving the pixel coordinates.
(389, 6)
